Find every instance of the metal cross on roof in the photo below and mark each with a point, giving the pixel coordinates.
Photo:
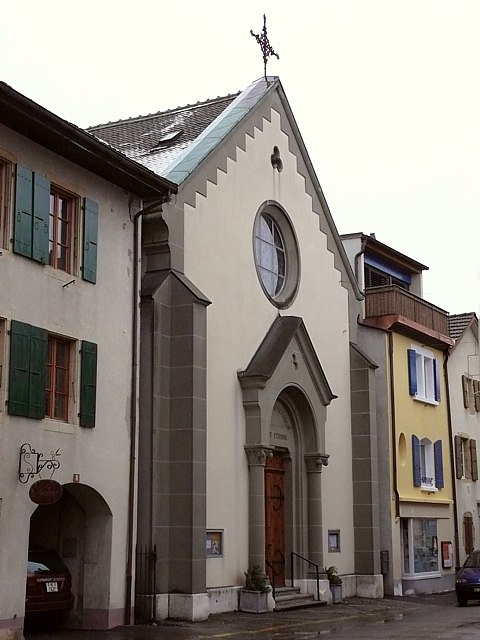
(265, 46)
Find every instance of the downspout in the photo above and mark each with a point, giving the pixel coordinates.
(452, 458)
(134, 392)
(394, 435)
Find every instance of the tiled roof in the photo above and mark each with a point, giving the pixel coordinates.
(193, 130)
(458, 323)
(138, 138)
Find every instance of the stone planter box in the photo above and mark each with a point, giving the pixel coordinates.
(336, 590)
(253, 601)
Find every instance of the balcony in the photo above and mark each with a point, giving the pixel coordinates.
(391, 307)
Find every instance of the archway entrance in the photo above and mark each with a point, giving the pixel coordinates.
(79, 528)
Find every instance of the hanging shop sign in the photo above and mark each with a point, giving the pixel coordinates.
(45, 492)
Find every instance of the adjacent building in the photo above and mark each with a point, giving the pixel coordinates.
(464, 391)
(407, 340)
(68, 205)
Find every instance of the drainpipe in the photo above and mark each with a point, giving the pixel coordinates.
(394, 435)
(132, 483)
(452, 466)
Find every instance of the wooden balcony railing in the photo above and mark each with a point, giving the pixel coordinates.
(393, 300)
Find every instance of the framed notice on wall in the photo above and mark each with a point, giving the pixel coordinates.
(447, 555)
(214, 544)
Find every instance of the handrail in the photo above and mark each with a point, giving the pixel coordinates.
(272, 579)
(292, 553)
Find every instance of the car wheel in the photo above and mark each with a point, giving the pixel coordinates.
(462, 600)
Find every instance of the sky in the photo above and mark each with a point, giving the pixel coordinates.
(386, 94)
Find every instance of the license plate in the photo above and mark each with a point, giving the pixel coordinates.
(51, 587)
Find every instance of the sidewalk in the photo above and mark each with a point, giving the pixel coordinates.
(297, 623)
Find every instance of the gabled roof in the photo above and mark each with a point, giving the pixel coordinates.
(158, 139)
(197, 130)
(458, 323)
(52, 132)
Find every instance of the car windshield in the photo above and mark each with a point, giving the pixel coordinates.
(473, 560)
(39, 562)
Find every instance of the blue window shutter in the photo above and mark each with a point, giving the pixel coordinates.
(88, 384)
(38, 372)
(41, 213)
(23, 223)
(437, 453)
(436, 379)
(19, 368)
(412, 371)
(417, 469)
(90, 233)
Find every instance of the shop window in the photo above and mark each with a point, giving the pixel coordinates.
(420, 546)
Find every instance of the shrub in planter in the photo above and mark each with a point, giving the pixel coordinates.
(335, 584)
(254, 595)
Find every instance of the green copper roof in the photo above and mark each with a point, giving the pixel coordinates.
(188, 161)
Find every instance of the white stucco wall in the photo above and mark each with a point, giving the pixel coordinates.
(99, 313)
(219, 260)
(464, 360)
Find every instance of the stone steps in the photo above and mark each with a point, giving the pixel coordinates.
(291, 598)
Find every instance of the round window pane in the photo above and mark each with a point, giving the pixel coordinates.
(270, 255)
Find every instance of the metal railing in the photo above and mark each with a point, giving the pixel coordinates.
(292, 554)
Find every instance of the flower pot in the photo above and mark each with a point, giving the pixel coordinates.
(253, 601)
(336, 591)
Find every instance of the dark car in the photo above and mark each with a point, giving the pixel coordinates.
(467, 583)
(49, 583)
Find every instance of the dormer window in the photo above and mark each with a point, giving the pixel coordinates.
(168, 139)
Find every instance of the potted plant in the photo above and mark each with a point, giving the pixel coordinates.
(254, 595)
(335, 584)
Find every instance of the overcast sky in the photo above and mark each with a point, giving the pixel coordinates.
(386, 94)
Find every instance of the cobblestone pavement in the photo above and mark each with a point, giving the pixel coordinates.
(421, 617)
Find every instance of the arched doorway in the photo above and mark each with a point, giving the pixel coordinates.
(79, 528)
(285, 396)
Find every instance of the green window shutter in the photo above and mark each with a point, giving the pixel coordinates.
(88, 384)
(41, 213)
(19, 368)
(23, 224)
(38, 372)
(90, 233)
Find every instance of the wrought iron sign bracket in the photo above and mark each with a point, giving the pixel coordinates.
(31, 462)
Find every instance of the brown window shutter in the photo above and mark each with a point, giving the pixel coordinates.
(476, 394)
(458, 457)
(468, 533)
(465, 391)
(473, 456)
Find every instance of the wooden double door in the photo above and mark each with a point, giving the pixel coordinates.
(275, 519)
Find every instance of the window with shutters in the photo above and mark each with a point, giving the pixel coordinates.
(427, 458)
(423, 375)
(471, 394)
(61, 231)
(46, 225)
(468, 533)
(377, 278)
(58, 374)
(42, 378)
(466, 466)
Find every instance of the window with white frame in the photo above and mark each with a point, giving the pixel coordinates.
(423, 375)
(427, 461)
(420, 545)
